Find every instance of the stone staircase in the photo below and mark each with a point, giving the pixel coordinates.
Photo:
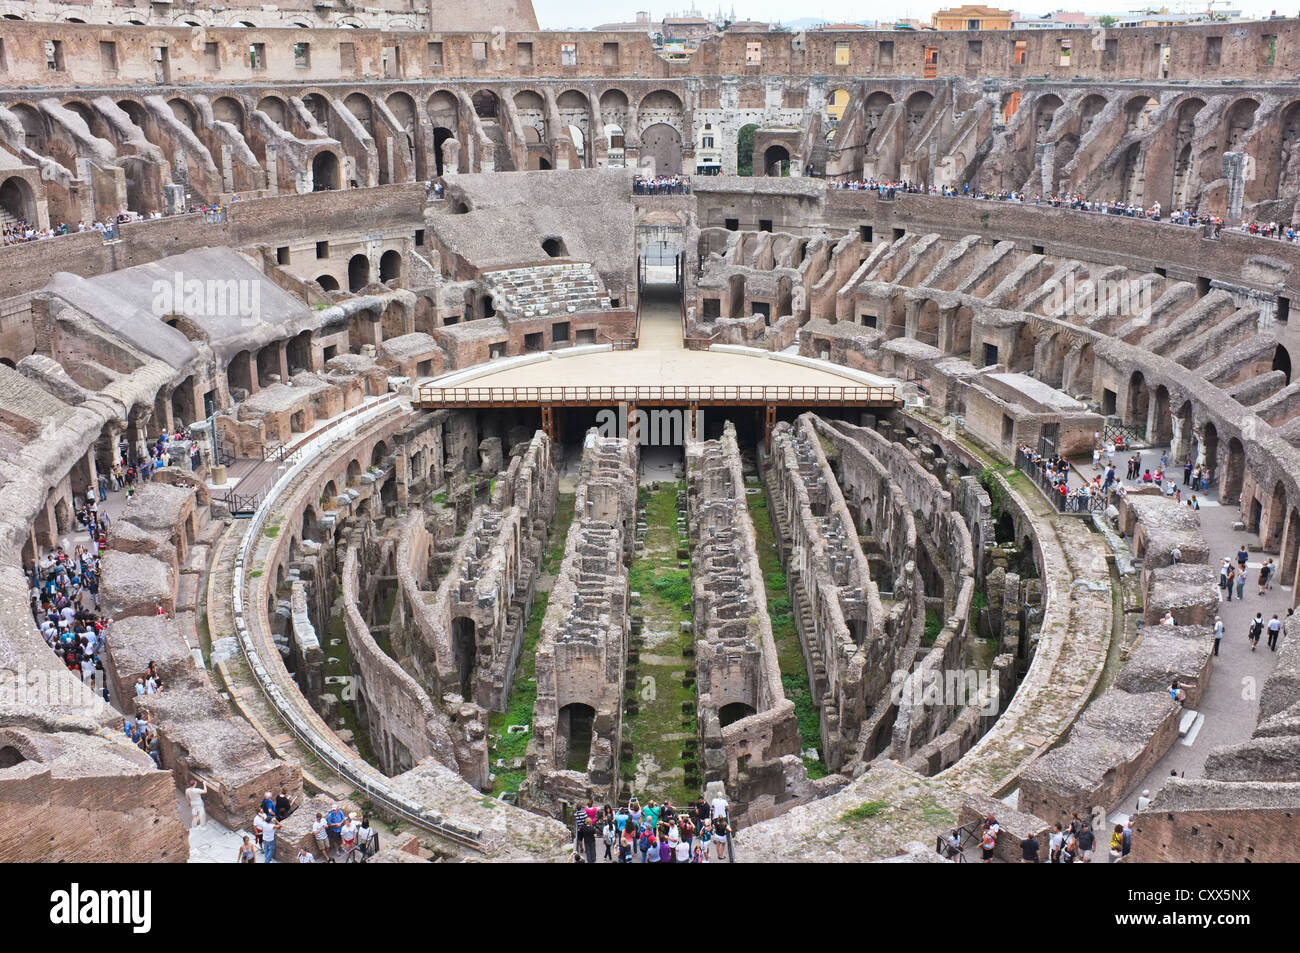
(549, 289)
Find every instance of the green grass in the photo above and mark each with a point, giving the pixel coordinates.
(785, 635)
(342, 666)
(864, 812)
(665, 590)
(933, 626)
(523, 691)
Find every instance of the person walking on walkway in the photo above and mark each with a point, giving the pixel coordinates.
(1256, 630)
(1274, 630)
(1218, 633)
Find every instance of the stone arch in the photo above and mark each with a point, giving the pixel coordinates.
(362, 110)
(353, 473)
(319, 106)
(239, 373)
(1237, 120)
(1290, 552)
(276, 110)
(662, 145)
(1045, 108)
(298, 351)
(1138, 401)
(184, 112)
(486, 104)
(402, 106)
(916, 107)
(228, 109)
(1271, 532)
(776, 160)
(1209, 446)
(1234, 472)
(464, 648)
(325, 171)
(1282, 361)
(1137, 112)
(440, 135)
(1160, 429)
(358, 272)
(390, 266)
(18, 199)
(327, 282)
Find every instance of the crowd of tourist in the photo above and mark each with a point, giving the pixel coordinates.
(661, 185)
(1075, 844)
(1078, 202)
(653, 834)
(22, 231)
(1105, 486)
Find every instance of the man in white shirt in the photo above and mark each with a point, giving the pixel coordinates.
(194, 794)
(719, 806)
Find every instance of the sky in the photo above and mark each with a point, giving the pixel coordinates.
(568, 14)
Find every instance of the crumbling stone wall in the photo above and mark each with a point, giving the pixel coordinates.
(737, 673)
(582, 650)
(467, 636)
(405, 726)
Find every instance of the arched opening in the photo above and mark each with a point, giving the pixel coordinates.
(358, 272)
(485, 104)
(1290, 548)
(9, 755)
(1282, 362)
(17, 200)
(325, 172)
(555, 247)
(661, 150)
(390, 266)
(1138, 397)
(745, 149)
(734, 712)
(239, 374)
(298, 352)
(465, 650)
(440, 135)
(309, 523)
(573, 731)
(1210, 446)
(275, 110)
(327, 282)
(776, 161)
(1272, 535)
(836, 103)
(227, 109)
(1004, 529)
(1234, 473)
(353, 472)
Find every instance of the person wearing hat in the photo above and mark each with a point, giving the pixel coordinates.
(334, 826)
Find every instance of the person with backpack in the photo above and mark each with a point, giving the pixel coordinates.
(1256, 630)
(988, 841)
(609, 834)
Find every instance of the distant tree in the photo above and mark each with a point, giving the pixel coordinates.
(1107, 21)
(745, 150)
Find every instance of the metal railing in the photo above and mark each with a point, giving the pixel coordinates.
(431, 395)
(302, 456)
(1074, 501)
